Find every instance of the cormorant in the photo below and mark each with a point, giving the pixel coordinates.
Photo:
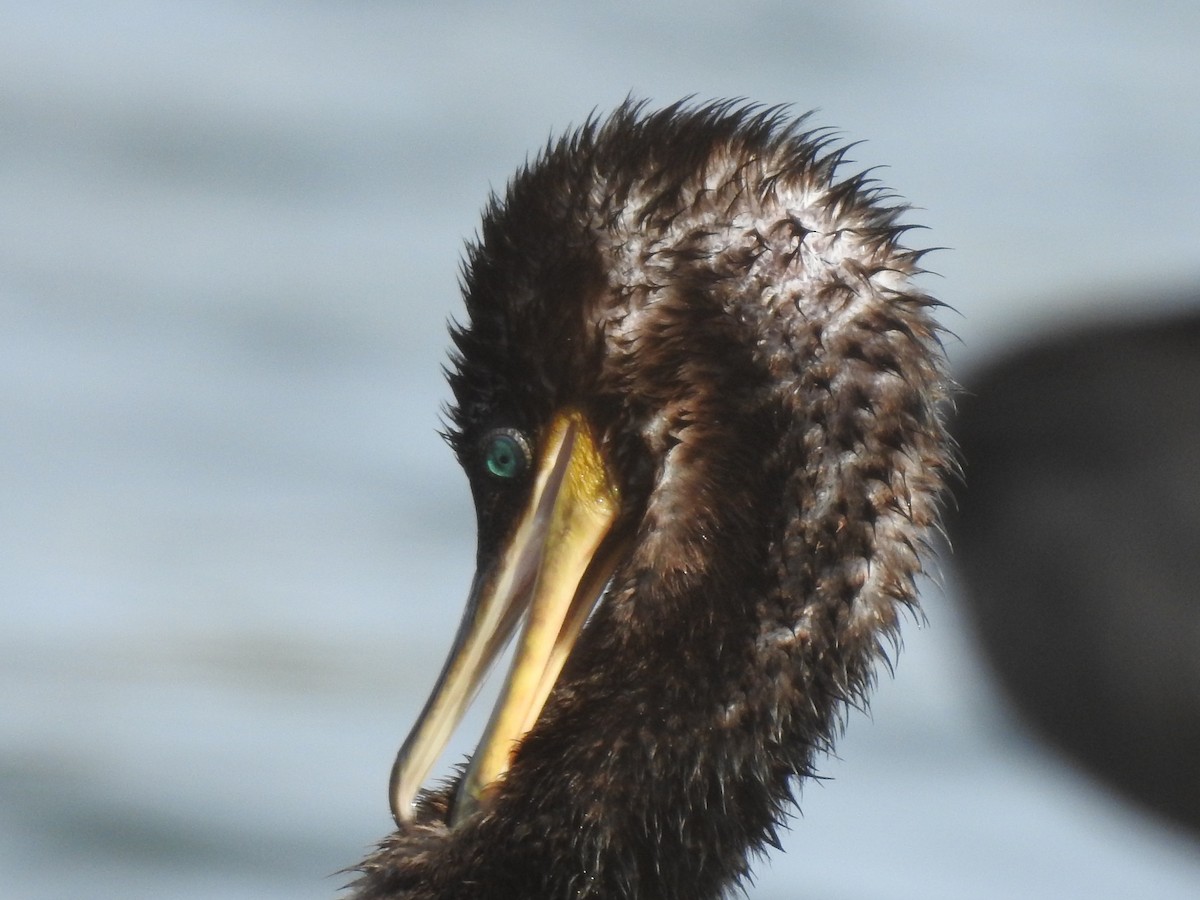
(698, 398)
(1078, 542)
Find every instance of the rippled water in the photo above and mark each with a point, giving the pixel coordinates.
(233, 548)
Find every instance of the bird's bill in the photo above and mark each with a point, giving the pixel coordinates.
(552, 571)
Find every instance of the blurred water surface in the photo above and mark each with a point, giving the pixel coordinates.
(234, 548)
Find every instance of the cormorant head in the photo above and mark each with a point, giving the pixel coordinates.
(696, 396)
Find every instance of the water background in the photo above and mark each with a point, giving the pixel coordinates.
(233, 548)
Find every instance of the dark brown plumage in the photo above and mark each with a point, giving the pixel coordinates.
(690, 312)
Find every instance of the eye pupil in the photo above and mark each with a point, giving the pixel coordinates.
(506, 454)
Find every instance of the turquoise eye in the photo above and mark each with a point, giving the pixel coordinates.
(506, 453)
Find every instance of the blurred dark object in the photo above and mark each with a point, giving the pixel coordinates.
(1079, 538)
